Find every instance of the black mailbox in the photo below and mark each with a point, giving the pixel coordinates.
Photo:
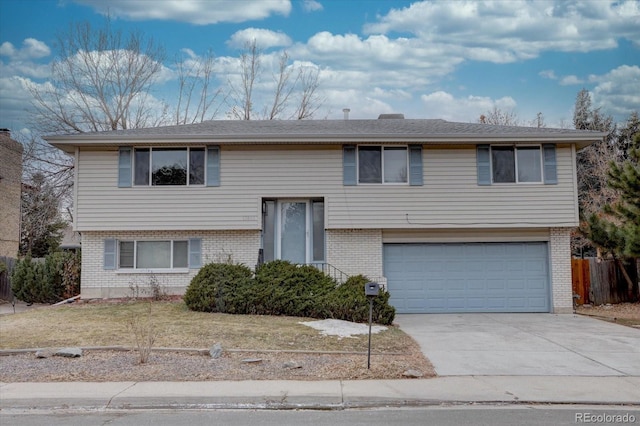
(371, 289)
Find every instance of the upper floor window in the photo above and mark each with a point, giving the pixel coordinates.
(517, 164)
(169, 166)
(378, 164)
(510, 164)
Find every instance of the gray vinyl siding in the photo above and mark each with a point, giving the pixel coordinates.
(449, 197)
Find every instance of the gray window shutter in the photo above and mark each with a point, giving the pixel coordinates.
(124, 167)
(415, 165)
(349, 175)
(213, 166)
(483, 161)
(195, 253)
(110, 253)
(550, 166)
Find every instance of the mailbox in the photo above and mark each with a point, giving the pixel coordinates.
(371, 289)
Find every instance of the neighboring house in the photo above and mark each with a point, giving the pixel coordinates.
(10, 194)
(451, 217)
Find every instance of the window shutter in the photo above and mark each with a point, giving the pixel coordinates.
(415, 165)
(110, 254)
(213, 166)
(483, 161)
(124, 167)
(550, 166)
(195, 253)
(349, 175)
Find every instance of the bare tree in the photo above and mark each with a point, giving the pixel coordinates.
(100, 81)
(250, 69)
(309, 101)
(42, 224)
(196, 96)
(291, 84)
(498, 117)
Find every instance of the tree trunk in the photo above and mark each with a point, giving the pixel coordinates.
(628, 279)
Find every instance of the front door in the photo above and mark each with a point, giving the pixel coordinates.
(293, 230)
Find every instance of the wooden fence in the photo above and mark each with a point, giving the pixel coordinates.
(598, 282)
(5, 280)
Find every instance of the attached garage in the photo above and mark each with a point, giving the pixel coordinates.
(468, 277)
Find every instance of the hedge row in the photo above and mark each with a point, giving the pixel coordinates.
(55, 279)
(283, 288)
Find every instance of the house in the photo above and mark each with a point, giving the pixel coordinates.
(451, 217)
(10, 194)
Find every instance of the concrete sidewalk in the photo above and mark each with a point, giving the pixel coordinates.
(332, 394)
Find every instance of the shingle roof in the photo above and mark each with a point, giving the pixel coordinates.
(325, 131)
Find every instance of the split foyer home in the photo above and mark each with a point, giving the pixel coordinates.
(450, 217)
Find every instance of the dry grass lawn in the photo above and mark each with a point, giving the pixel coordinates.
(109, 324)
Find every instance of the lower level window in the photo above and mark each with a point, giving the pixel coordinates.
(153, 254)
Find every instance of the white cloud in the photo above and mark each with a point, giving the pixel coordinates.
(192, 11)
(31, 49)
(508, 31)
(402, 63)
(618, 91)
(264, 38)
(311, 5)
(444, 105)
(570, 80)
(550, 74)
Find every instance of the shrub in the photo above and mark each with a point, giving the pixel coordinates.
(348, 302)
(216, 287)
(55, 279)
(284, 288)
(26, 280)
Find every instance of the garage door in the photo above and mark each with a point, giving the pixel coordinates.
(472, 277)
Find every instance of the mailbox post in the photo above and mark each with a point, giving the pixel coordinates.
(371, 290)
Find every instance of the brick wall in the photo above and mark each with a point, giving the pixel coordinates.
(10, 189)
(560, 247)
(217, 246)
(356, 251)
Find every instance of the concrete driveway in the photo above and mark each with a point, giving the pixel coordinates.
(524, 344)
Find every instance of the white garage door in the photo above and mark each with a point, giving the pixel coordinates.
(469, 277)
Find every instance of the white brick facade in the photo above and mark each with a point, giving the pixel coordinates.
(560, 258)
(217, 246)
(356, 251)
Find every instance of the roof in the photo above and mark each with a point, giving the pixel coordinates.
(327, 131)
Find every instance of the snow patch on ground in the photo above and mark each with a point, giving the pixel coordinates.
(334, 327)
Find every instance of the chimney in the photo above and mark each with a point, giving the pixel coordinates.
(346, 112)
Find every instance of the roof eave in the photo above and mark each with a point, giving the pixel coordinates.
(68, 143)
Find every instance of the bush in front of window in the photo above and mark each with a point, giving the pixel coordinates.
(216, 288)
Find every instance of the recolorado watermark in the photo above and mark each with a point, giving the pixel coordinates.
(605, 418)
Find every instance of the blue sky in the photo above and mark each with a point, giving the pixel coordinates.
(427, 59)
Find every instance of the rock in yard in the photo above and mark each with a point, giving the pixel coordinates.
(216, 351)
(252, 360)
(291, 365)
(413, 374)
(69, 352)
(44, 353)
